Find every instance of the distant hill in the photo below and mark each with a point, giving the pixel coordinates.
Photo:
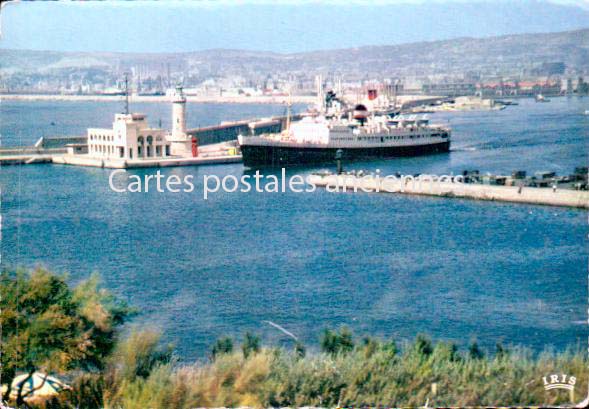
(504, 55)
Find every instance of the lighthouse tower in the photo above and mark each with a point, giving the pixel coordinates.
(178, 114)
(181, 143)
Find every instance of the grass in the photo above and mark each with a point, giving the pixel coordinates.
(368, 373)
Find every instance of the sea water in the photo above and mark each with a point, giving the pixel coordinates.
(385, 265)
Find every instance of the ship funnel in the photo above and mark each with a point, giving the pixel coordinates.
(360, 113)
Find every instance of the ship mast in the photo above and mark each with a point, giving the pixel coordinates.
(126, 94)
(288, 108)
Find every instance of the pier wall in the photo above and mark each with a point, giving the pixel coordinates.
(81, 160)
(514, 194)
(53, 142)
(230, 131)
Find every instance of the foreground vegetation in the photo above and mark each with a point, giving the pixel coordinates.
(139, 372)
(372, 373)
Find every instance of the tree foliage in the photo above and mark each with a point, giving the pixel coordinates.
(222, 346)
(474, 351)
(48, 326)
(334, 342)
(251, 344)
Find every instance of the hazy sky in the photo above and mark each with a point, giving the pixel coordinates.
(263, 25)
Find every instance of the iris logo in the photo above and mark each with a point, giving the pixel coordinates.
(559, 382)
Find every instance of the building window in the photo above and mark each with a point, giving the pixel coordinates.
(139, 150)
(121, 152)
(158, 150)
(167, 150)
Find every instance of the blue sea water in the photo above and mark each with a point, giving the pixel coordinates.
(385, 265)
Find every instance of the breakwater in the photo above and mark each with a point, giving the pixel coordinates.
(514, 194)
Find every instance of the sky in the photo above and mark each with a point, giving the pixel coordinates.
(263, 25)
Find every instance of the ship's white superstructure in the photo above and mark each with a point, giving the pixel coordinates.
(378, 131)
(359, 136)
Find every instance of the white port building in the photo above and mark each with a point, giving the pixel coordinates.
(131, 137)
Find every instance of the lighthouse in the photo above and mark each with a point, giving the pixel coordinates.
(181, 142)
(179, 114)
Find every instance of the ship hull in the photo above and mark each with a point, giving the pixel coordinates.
(278, 156)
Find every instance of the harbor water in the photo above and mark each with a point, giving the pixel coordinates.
(384, 265)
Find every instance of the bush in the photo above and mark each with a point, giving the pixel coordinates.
(48, 326)
(222, 346)
(250, 345)
(335, 343)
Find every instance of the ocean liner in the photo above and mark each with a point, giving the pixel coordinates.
(360, 135)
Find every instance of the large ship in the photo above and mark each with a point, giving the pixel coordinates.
(360, 135)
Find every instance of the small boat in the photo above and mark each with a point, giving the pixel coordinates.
(541, 98)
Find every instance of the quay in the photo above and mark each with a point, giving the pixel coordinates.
(219, 153)
(25, 159)
(155, 163)
(513, 194)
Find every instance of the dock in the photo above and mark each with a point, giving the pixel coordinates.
(219, 153)
(514, 194)
(25, 159)
(80, 160)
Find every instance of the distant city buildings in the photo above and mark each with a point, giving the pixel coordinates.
(278, 85)
(221, 76)
(519, 88)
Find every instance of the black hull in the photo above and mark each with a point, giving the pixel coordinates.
(279, 156)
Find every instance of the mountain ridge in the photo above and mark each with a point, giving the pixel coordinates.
(584, 31)
(513, 55)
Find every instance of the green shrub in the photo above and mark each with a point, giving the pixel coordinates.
(334, 343)
(222, 346)
(251, 344)
(48, 326)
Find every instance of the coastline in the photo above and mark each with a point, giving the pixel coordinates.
(282, 99)
(161, 98)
